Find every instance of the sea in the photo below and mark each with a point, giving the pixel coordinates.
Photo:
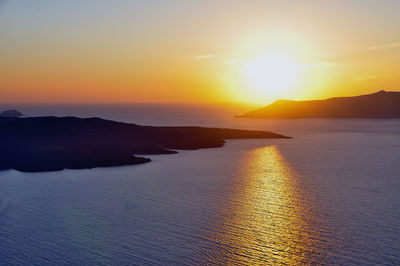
(330, 195)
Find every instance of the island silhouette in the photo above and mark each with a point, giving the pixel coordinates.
(34, 144)
(381, 104)
(11, 113)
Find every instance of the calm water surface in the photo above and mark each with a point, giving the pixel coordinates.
(330, 195)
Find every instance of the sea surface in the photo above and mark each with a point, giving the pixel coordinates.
(330, 195)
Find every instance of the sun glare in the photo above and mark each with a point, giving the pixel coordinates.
(271, 75)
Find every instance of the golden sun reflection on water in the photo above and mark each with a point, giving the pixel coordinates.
(265, 223)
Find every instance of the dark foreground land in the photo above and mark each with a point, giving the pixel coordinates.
(381, 104)
(35, 144)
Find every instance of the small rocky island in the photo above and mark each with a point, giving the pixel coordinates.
(34, 144)
(11, 113)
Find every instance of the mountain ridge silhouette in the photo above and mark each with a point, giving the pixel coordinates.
(382, 104)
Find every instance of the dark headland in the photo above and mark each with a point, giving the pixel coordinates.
(34, 144)
(381, 104)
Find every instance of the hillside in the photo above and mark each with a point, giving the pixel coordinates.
(381, 104)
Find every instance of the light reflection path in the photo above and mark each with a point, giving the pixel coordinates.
(265, 224)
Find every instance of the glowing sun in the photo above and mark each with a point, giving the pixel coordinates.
(271, 75)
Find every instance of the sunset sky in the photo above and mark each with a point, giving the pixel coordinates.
(197, 51)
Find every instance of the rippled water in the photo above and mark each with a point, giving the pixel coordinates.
(330, 196)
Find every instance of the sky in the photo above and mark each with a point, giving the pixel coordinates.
(209, 51)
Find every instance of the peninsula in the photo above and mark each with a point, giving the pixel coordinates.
(381, 104)
(34, 144)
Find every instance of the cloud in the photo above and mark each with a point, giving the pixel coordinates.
(364, 78)
(323, 64)
(380, 47)
(319, 64)
(235, 61)
(206, 56)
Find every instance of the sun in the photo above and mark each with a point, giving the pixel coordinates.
(271, 75)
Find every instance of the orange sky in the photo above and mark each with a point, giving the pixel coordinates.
(196, 51)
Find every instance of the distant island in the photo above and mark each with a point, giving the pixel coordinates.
(11, 113)
(381, 104)
(35, 144)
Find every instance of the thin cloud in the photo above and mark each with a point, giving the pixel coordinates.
(235, 61)
(319, 64)
(206, 56)
(364, 78)
(380, 47)
(324, 64)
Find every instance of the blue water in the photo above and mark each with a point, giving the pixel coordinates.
(329, 195)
